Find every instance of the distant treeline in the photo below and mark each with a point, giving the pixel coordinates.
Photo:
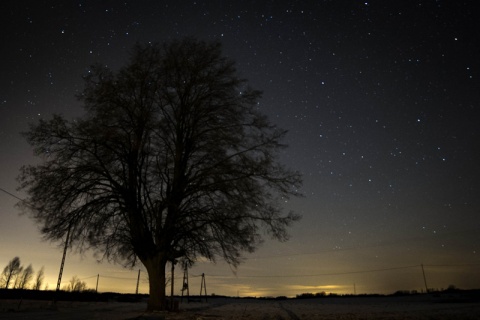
(85, 296)
(451, 291)
(444, 295)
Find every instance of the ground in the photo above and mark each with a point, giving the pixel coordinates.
(409, 307)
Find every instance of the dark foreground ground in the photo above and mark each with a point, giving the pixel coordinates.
(406, 307)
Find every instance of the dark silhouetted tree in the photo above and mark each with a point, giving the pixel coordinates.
(76, 285)
(172, 160)
(11, 272)
(39, 279)
(25, 277)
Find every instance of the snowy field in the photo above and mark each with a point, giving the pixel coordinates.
(410, 307)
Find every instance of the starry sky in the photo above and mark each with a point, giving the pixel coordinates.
(381, 100)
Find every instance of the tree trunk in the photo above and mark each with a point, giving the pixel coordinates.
(156, 278)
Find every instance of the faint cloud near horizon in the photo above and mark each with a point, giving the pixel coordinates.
(313, 287)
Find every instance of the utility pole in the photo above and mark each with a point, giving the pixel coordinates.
(424, 279)
(96, 287)
(185, 282)
(203, 287)
(138, 281)
(63, 259)
(171, 287)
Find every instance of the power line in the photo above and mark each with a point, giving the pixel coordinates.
(88, 277)
(325, 274)
(452, 265)
(120, 278)
(18, 198)
(346, 273)
(385, 244)
(388, 243)
(11, 194)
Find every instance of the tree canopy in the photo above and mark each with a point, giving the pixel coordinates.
(172, 159)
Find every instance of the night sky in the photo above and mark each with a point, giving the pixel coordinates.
(381, 100)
